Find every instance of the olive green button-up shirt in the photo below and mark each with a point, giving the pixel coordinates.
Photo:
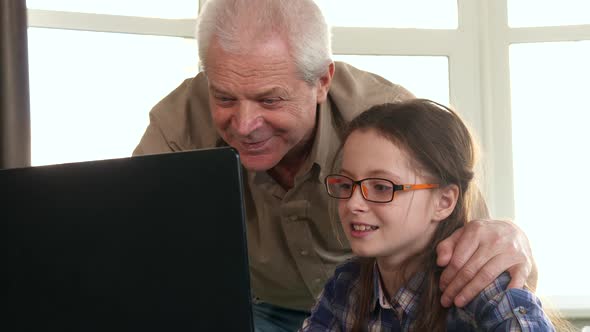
(294, 239)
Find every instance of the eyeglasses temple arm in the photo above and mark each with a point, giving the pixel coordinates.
(406, 187)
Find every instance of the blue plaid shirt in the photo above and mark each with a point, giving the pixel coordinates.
(495, 309)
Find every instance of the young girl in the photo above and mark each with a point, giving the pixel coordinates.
(412, 164)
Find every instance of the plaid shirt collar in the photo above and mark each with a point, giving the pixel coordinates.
(404, 302)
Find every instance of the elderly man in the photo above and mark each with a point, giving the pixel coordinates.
(270, 90)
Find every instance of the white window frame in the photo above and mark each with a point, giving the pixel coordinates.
(38, 18)
(478, 72)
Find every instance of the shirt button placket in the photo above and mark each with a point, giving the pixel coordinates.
(299, 240)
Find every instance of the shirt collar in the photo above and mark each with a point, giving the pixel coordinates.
(326, 142)
(406, 298)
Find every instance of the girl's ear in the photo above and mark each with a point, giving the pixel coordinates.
(445, 202)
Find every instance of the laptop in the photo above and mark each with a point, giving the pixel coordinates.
(147, 243)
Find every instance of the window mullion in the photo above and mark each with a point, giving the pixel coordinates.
(496, 104)
(111, 23)
(464, 61)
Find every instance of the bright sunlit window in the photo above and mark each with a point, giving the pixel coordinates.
(91, 91)
(530, 13)
(433, 83)
(550, 116)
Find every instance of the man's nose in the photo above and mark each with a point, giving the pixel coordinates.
(247, 119)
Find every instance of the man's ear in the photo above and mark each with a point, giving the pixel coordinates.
(446, 201)
(324, 83)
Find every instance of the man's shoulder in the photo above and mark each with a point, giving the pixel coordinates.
(354, 90)
(183, 115)
(190, 90)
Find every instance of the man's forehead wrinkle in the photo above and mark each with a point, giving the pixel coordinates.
(235, 68)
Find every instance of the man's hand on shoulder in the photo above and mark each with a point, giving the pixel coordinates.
(476, 254)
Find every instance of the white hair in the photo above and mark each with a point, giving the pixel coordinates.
(237, 24)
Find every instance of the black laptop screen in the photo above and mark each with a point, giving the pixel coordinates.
(149, 243)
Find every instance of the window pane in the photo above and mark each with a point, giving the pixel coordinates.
(550, 116)
(177, 9)
(530, 13)
(433, 14)
(424, 76)
(91, 91)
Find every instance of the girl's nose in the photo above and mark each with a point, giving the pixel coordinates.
(357, 202)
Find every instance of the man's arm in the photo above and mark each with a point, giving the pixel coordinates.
(152, 141)
(475, 255)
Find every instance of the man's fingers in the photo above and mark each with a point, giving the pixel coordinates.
(464, 249)
(518, 275)
(445, 249)
(464, 276)
(480, 253)
(485, 276)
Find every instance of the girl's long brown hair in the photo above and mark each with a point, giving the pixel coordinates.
(441, 146)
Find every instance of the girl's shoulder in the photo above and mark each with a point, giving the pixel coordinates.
(498, 305)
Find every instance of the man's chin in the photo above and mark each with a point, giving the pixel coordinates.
(259, 163)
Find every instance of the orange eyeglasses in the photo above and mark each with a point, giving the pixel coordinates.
(372, 189)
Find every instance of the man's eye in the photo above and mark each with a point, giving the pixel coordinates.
(224, 99)
(270, 101)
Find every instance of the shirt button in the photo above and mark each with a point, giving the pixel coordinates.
(318, 280)
(522, 310)
(304, 252)
(293, 218)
